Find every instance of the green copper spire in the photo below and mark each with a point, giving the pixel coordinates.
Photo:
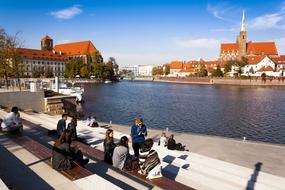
(243, 22)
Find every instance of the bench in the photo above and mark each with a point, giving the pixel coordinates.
(96, 154)
(44, 154)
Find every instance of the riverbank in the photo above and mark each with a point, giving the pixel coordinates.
(216, 81)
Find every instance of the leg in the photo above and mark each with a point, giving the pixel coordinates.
(136, 148)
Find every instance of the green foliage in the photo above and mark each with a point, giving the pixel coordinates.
(103, 70)
(218, 72)
(73, 67)
(36, 74)
(203, 71)
(166, 69)
(49, 74)
(157, 71)
(84, 72)
(263, 75)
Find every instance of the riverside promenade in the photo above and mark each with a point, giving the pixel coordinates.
(211, 163)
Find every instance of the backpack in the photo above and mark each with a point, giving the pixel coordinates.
(132, 164)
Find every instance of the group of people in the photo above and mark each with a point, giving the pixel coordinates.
(145, 158)
(65, 156)
(91, 121)
(170, 143)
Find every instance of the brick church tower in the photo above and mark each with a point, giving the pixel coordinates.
(242, 38)
(47, 43)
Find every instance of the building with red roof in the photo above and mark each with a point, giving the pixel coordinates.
(242, 48)
(54, 59)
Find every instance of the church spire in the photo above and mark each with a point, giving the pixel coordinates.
(243, 22)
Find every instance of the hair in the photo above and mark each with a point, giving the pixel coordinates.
(108, 138)
(163, 134)
(139, 120)
(14, 109)
(124, 141)
(64, 137)
(64, 114)
(171, 136)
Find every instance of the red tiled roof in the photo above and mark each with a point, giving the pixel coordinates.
(176, 65)
(253, 60)
(229, 47)
(278, 60)
(261, 48)
(40, 54)
(46, 38)
(264, 69)
(76, 48)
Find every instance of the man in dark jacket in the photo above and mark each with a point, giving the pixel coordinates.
(61, 124)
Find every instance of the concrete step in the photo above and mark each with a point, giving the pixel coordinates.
(221, 166)
(230, 174)
(217, 174)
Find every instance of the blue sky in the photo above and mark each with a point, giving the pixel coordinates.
(145, 32)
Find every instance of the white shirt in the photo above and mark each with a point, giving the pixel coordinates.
(11, 120)
(162, 141)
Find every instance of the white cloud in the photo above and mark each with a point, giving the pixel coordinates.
(67, 13)
(221, 11)
(199, 43)
(266, 21)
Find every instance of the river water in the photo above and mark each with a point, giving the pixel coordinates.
(257, 113)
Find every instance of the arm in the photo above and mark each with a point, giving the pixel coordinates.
(134, 132)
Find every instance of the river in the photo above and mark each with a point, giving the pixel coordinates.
(257, 113)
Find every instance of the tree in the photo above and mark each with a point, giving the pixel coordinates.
(84, 72)
(166, 69)
(36, 74)
(97, 64)
(228, 65)
(115, 65)
(218, 72)
(108, 70)
(203, 71)
(49, 74)
(157, 71)
(73, 67)
(10, 60)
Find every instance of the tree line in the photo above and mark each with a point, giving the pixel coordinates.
(97, 69)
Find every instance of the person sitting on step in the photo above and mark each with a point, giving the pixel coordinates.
(121, 153)
(109, 146)
(171, 144)
(149, 160)
(163, 140)
(65, 157)
(12, 122)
